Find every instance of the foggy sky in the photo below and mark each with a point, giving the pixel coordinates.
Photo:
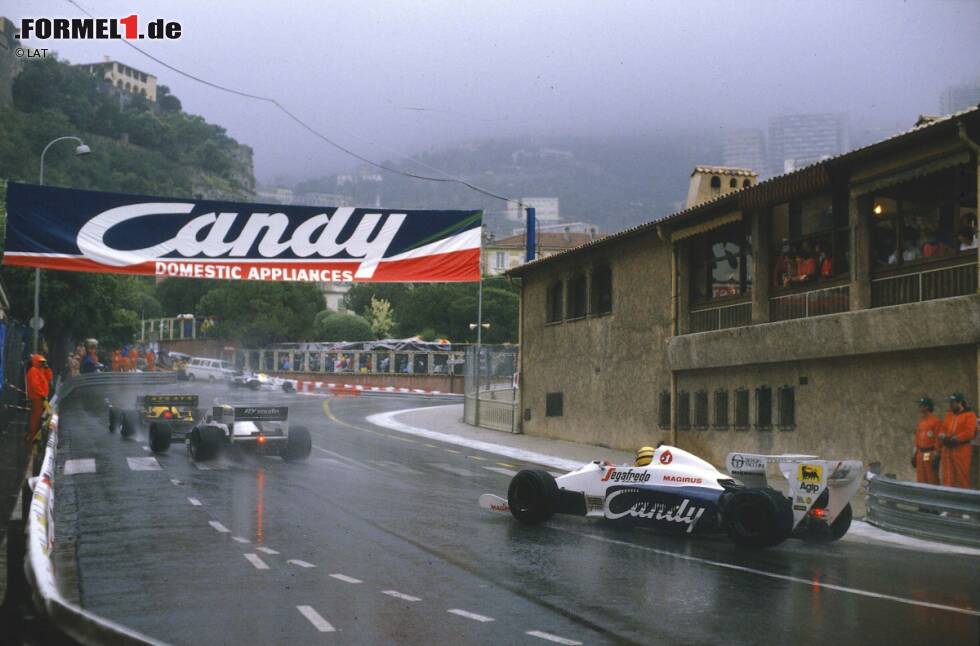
(403, 76)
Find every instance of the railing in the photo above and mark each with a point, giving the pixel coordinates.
(173, 329)
(928, 511)
(720, 318)
(496, 409)
(959, 280)
(351, 362)
(816, 302)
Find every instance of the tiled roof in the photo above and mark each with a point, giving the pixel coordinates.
(546, 239)
(724, 170)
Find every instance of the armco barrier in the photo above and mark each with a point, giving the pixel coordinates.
(78, 623)
(944, 514)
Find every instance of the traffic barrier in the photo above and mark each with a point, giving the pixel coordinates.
(81, 625)
(303, 386)
(946, 514)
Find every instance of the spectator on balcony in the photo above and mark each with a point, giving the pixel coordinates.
(933, 247)
(151, 361)
(967, 238)
(925, 456)
(91, 361)
(806, 266)
(911, 251)
(781, 268)
(825, 260)
(955, 450)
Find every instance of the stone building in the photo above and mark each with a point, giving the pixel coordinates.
(806, 313)
(501, 254)
(124, 77)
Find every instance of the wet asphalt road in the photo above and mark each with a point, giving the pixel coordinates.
(378, 539)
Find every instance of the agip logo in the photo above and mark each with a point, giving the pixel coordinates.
(810, 476)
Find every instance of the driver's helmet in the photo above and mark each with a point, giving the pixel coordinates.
(644, 455)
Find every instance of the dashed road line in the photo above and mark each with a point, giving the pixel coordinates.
(333, 461)
(256, 561)
(399, 437)
(507, 472)
(552, 638)
(309, 565)
(448, 468)
(476, 457)
(469, 615)
(194, 501)
(240, 539)
(219, 527)
(143, 464)
(400, 595)
(79, 465)
(431, 446)
(266, 550)
(390, 465)
(453, 451)
(350, 460)
(504, 464)
(345, 578)
(210, 467)
(314, 618)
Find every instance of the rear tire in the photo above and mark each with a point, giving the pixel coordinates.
(254, 385)
(532, 496)
(758, 517)
(288, 387)
(113, 420)
(298, 445)
(160, 437)
(204, 443)
(130, 423)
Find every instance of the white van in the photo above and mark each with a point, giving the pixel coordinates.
(208, 369)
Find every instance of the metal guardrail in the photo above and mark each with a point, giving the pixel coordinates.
(959, 280)
(81, 625)
(816, 302)
(938, 513)
(720, 318)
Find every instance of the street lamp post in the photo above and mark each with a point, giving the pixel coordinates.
(80, 150)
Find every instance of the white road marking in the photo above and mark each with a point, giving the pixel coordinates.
(469, 615)
(314, 617)
(476, 457)
(194, 501)
(256, 561)
(448, 468)
(176, 482)
(307, 565)
(266, 550)
(347, 459)
(145, 447)
(387, 420)
(80, 465)
(345, 578)
(210, 467)
(785, 577)
(507, 472)
(400, 595)
(552, 638)
(239, 539)
(143, 464)
(219, 527)
(334, 461)
(389, 465)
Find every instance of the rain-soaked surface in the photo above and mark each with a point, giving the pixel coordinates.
(378, 539)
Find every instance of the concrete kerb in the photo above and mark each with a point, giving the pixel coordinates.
(860, 531)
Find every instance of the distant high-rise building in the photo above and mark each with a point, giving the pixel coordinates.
(959, 97)
(796, 140)
(546, 209)
(745, 149)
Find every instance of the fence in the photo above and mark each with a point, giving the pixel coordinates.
(173, 329)
(350, 361)
(490, 398)
(959, 280)
(817, 302)
(927, 511)
(720, 318)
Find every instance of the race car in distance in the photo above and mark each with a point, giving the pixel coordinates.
(257, 380)
(168, 417)
(261, 429)
(681, 493)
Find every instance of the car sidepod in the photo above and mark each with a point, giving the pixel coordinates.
(683, 510)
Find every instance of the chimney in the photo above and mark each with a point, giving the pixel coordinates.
(711, 182)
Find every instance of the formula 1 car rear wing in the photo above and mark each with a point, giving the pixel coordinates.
(182, 401)
(808, 477)
(227, 414)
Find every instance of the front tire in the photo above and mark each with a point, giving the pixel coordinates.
(130, 423)
(532, 496)
(160, 437)
(299, 444)
(758, 517)
(113, 420)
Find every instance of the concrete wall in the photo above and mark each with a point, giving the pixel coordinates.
(610, 367)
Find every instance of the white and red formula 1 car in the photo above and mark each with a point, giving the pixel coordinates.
(679, 492)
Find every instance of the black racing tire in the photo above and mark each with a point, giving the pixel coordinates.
(288, 387)
(161, 434)
(254, 385)
(204, 443)
(760, 517)
(532, 496)
(113, 419)
(299, 444)
(211, 378)
(129, 423)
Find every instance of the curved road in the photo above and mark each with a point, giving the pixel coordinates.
(378, 539)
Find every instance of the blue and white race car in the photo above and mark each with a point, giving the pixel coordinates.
(679, 492)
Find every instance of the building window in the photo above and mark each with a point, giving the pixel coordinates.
(741, 409)
(928, 219)
(746, 183)
(721, 264)
(554, 404)
(578, 302)
(787, 408)
(683, 410)
(701, 409)
(556, 309)
(664, 421)
(811, 240)
(715, 181)
(733, 183)
(498, 260)
(602, 289)
(763, 408)
(721, 409)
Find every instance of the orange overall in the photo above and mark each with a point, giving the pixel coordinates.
(926, 455)
(955, 460)
(37, 393)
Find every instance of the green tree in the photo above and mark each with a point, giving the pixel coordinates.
(260, 313)
(343, 326)
(381, 317)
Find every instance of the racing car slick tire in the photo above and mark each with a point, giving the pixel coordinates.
(204, 445)
(254, 385)
(532, 496)
(160, 437)
(760, 517)
(298, 444)
(113, 420)
(129, 423)
(288, 387)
